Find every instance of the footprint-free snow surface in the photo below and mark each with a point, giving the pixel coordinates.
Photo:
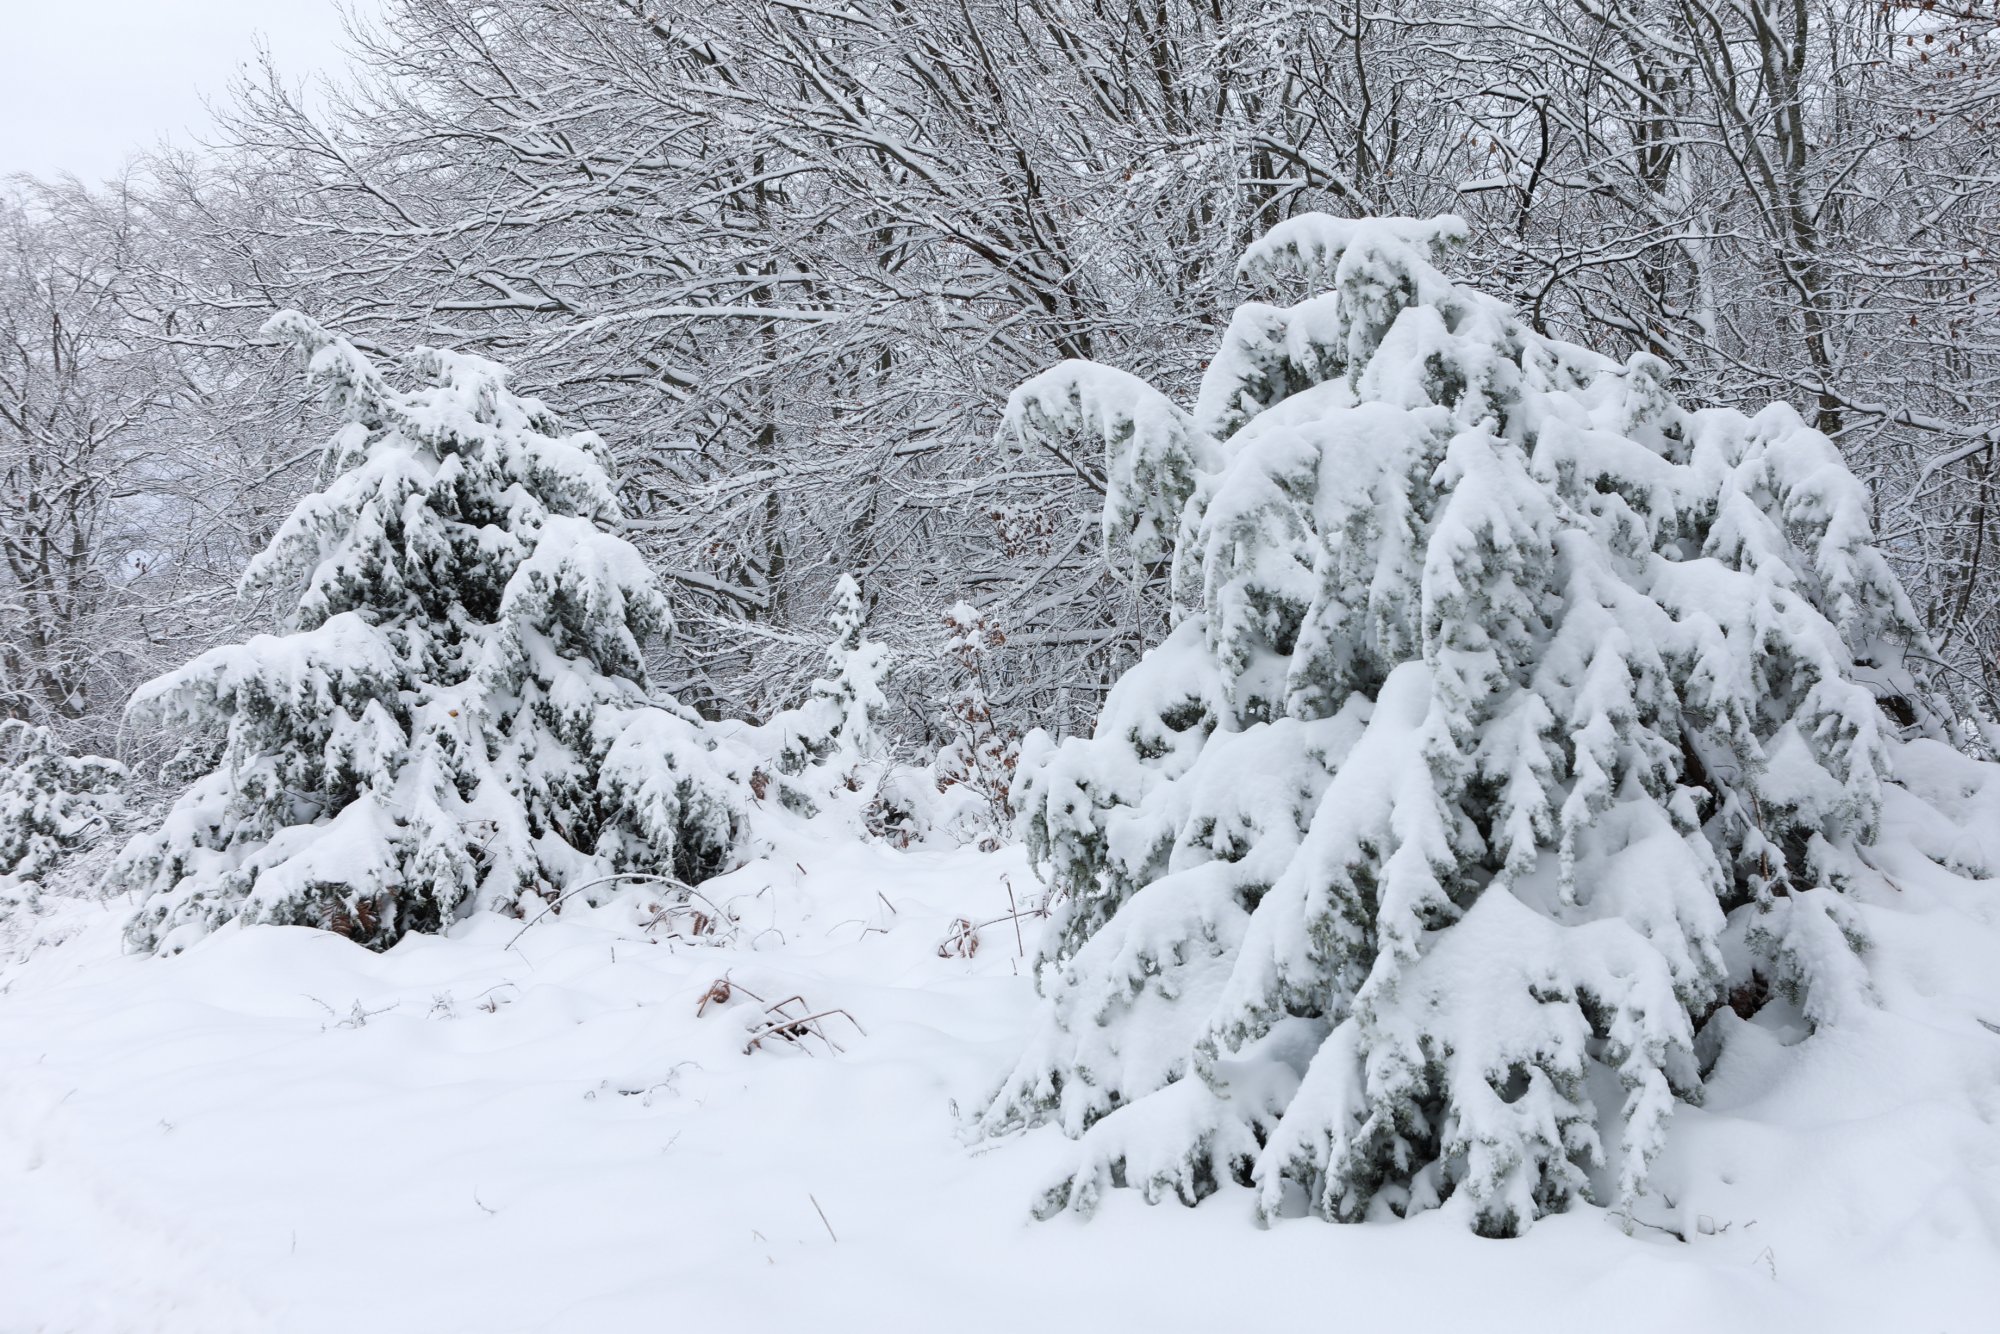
(548, 1129)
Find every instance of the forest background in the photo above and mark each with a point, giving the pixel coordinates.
(789, 260)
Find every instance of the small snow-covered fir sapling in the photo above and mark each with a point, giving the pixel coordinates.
(456, 713)
(979, 754)
(51, 803)
(1512, 699)
(856, 667)
(836, 726)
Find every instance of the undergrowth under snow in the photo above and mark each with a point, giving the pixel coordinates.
(502, 1130)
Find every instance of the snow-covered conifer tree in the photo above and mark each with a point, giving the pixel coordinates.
(1519, 714)
(456, 714)
(51, 803)
(836, 724)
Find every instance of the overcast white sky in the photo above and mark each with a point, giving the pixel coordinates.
(84, 83)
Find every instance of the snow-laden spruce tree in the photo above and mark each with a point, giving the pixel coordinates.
(51, 802)
(1520, 715)
(456, 714)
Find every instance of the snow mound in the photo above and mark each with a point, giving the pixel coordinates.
(487, 1130)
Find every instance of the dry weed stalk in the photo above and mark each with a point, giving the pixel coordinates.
(783, 1024)
(962, 941)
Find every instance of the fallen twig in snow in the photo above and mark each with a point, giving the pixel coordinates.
(1015, 915)
(489, 1002)
(822, 1217)
(631, 876)
(1627, 1220)
(358, 1017)
(643, 1091)
(795, 1029)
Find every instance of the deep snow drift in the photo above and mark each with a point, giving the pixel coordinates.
(279, 1130)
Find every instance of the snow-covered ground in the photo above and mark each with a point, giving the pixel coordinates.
(279, 1130)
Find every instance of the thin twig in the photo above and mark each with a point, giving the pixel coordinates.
(792, 1030)
(822, 1218)
(1632, 1219)
(1014, 911)
(563, 898)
